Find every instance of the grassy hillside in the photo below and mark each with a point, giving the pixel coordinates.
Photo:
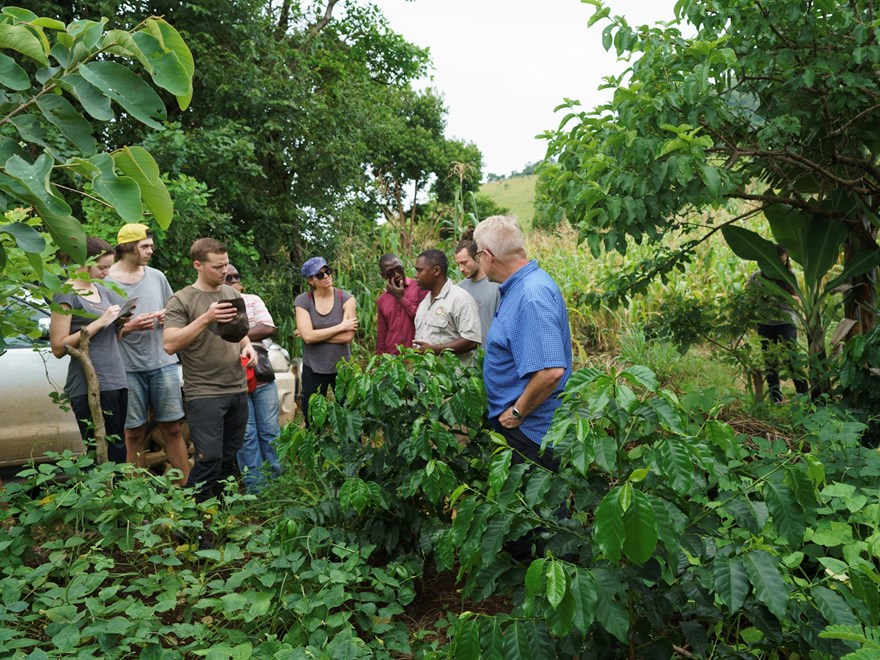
(516, 194)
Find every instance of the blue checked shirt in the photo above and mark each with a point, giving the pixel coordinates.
(529, 333)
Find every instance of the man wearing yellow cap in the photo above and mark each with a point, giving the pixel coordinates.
(153, 381)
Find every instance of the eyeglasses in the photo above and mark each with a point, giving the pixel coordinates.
(391, 272)
(479, 255)
(321, 274)
(233, 277)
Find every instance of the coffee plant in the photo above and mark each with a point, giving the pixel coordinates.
(664, 532)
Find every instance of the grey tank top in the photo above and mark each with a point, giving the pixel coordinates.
(322, 357)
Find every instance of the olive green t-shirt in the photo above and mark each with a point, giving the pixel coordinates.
(211, 365)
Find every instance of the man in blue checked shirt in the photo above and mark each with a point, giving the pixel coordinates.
(528, 349)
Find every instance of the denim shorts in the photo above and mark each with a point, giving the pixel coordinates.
(159, 389)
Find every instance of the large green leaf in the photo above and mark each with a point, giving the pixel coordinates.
(466, 643)
(767, 581)
(789, 227)
(666, 413)
(516, 642)
(583, 588)
(582, 454)
(128, 90)
(833, 607)
(22, 40)
(731, 581)
(9, 148)
(640, 527)
(491, 640)
(166, 69)
(171, 39)
(822, 248)
(12, 75)
(121, 42)
(56, 214)
(26, 237)
(31, 130)
(557, 583)
(137, 163)
(856, 265)
(354, 494)
(748, 245)
(535, 578)
(58, 111)
(674, 462)
(610, 614)
(89, 96)
(608, 530)
(785, 511)
(498, 470)
(464, 515)
(537, 486)
(642, 376)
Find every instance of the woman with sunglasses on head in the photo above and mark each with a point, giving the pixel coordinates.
(326, 322)
(92, 307)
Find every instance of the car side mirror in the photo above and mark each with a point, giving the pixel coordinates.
(43, 324)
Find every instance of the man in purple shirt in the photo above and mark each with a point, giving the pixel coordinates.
(397, 307)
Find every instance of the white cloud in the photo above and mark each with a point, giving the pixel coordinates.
(503, 66)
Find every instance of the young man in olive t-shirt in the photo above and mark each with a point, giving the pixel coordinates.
(214, 383)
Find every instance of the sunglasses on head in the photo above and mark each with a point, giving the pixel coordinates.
(233, 277)
(324, 272)
(391, 272)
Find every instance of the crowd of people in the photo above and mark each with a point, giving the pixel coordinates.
(505, 303)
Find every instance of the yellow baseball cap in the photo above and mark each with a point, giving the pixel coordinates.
(131, 233)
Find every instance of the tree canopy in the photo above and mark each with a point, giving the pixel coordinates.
(301, 112)
(770, 104)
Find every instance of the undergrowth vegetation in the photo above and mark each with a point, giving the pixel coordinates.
(666, 531)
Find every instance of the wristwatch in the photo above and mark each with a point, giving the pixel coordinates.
(516, 413)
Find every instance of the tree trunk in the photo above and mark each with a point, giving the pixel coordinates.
(81, 354)
(861, 300)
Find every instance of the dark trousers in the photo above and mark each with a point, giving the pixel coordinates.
(216, 427)
(314, 382)
(114, 403)
(527, 451)
(779, 345)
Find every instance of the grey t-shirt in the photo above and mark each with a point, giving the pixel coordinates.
(487, 295)
(103, 345)
(211, 365)
(323, 356)
(142, 351)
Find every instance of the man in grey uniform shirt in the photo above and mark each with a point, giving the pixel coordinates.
(153, 380)
(448, 318)
(482, 289)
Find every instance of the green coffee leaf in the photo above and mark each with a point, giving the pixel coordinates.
(640, 528)
(731, 581)
(557, 583)
(785, 511)
(767, 581)
(608, 529)
(674, 462)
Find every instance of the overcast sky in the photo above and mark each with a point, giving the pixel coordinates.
(503, 65)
